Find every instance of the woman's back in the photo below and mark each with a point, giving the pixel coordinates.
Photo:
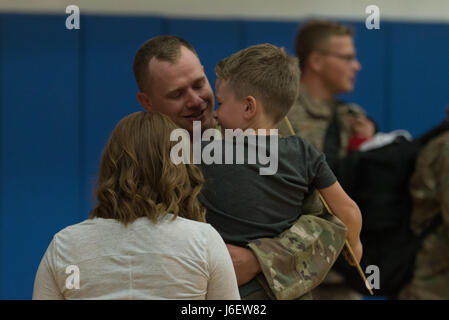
(172, 259)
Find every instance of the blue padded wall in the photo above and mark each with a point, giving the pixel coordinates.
(63, 91)
(108, 89)
(40, 149)
(281, 34)
(419, 63)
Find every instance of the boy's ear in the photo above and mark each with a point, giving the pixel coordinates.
(144, 100)
(250, 107)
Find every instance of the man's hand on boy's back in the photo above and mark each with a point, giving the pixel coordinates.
(245, 263)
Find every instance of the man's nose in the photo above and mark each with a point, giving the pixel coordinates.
(193, 99)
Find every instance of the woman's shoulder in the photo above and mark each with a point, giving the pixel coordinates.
(84, 228)
(185, 224)
(96, 224)
(74, 228)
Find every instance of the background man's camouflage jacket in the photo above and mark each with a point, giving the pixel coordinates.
(429, 187)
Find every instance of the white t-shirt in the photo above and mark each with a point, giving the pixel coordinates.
(173, 259)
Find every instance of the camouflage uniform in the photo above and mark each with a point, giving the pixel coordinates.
(429, 187)
(300, 258)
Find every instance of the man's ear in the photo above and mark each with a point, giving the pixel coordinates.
(144, 100)
(315, 61)
(250, 107)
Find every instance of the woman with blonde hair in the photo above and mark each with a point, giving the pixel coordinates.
(146, 237)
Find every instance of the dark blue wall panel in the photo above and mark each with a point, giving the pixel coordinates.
(419, 75)
(39, 172)
(63, 91)
(108, 89)
(281, 34)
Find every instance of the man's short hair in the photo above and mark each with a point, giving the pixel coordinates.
(312, 35)
(265, 72)
(164, 48)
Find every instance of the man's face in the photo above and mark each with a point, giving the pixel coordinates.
(230, 109)
(339, 64)
(181, 91)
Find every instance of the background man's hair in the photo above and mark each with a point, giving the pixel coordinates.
(312, 36)
(265, 72)
(164, 48)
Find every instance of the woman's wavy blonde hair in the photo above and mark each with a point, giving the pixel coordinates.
(138, 179)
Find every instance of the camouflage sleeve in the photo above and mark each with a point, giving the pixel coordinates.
(299, 259)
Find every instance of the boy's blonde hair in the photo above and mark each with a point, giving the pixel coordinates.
(265, 72)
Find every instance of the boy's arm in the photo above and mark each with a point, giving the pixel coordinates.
(297, 260)
(348, 212)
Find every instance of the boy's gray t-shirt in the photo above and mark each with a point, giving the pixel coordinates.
(244, 205)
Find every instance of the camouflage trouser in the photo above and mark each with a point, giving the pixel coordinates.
(300, 258)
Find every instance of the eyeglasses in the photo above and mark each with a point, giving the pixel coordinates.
(346, 57)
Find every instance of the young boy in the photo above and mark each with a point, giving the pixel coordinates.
(255, 89)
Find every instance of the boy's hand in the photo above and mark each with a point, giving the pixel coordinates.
(245, 263)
